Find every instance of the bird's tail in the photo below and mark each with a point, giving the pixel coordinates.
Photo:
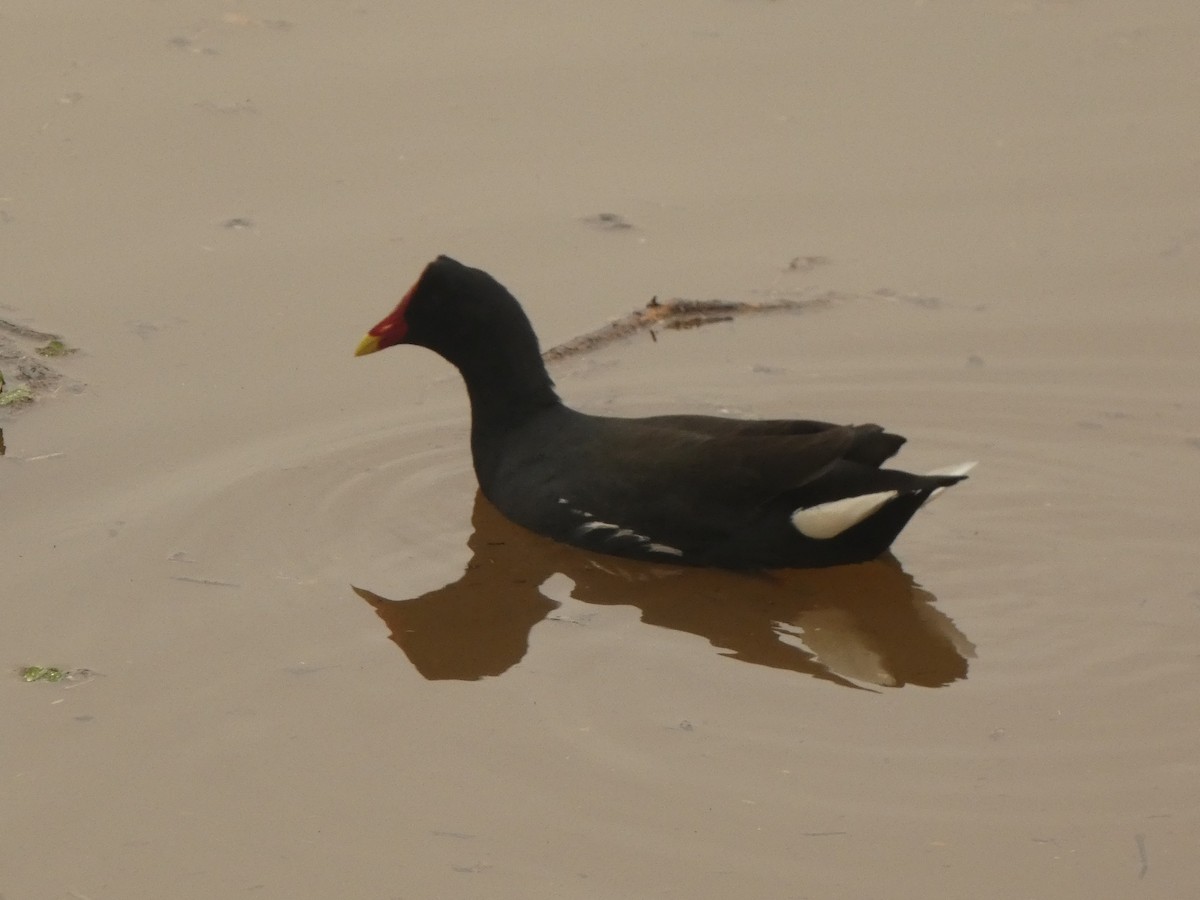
(958, 472)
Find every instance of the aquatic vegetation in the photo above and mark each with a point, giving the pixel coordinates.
(17, 395)
(54, 347)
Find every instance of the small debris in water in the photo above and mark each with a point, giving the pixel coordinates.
(806, 263)
(921, 300)
(209, 581)
(608, 222)
(54, 674)
(473, 869)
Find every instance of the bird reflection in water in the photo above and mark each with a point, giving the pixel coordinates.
(861, 625)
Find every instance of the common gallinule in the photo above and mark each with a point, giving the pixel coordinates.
(699, 490)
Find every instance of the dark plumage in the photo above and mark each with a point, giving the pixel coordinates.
(691, 489)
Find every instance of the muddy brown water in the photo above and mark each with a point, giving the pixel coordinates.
(326, 668)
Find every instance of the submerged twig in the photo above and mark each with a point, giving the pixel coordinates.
(209, 581)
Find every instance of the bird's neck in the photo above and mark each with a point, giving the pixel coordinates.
(507, 384)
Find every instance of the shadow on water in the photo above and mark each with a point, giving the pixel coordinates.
(867, 624)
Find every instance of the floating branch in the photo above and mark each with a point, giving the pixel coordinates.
(678, 314)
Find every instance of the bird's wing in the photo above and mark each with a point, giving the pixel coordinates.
(671, 474)
(872, 444)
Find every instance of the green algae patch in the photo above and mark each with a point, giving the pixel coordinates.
(54, 347)
(17, 395)
(55, 675)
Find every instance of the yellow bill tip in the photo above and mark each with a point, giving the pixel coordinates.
(368, 344)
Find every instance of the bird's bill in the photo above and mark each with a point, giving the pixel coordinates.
(369, 344)
(393, 329)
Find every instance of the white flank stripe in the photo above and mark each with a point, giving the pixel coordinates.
(960, 469)
(592, 526)
(663, 548)
(828, 520)
(616, 532)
